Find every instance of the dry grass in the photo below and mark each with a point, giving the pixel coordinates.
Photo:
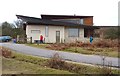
(106, 43)
(68, 45)
(98, 44)
(5, 52)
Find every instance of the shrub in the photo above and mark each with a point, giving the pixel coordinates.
(102, 43)
(106, 43)
(112, 33)
(105, 70)
(57, 63)
(68, 45)
(87, 45)
(5, 52)
(58, 46)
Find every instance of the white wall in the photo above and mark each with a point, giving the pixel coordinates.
(35, 36)
(51, 32)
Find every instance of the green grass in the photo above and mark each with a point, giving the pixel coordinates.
(39, 45)
(12, 66)
(26, 64)
(94, 51)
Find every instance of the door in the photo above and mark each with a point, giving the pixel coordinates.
(57, 36)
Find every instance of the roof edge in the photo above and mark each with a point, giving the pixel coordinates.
(64, 15)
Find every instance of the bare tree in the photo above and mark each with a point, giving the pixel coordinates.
(18, 23)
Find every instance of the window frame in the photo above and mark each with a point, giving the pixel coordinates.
(78, 30)
(46, 31)
(36, 32)
(81, 21)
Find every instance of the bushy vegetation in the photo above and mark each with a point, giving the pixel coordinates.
(5, 52)
(57, 63)
(104, 43)
(112, 33)
(12, 30)
(67, 45)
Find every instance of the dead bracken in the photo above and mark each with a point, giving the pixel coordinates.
(98, 44)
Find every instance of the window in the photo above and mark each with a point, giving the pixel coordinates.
(81, 21)
(73, 32)
(35, 31)
(76, 21)
(46, 31)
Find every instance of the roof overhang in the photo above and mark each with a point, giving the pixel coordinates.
(38, 21)
(63, 16)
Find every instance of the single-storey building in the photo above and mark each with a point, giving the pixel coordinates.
(59, 28)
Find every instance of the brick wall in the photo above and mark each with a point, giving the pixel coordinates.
(88, 21)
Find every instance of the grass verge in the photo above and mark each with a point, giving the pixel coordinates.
(43, 46)
(27, 64)
(13, 66)
(111, 52)
(93, 51)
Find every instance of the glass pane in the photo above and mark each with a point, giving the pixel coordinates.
(46, 31)
(73, 32)
(57, 33)
(76, 21)
(81, 21)
(35, 31)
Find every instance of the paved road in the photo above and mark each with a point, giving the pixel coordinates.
(89, 59)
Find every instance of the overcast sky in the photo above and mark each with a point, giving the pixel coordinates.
(105, 12)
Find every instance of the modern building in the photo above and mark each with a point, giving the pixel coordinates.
(59, 28)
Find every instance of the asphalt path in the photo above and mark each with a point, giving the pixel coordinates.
(75, 57)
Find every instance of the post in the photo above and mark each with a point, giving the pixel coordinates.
(64, 41)
(76, 45)
(18, 38)
(25, 38)
(30, 40)
(61, 40)
(44, 40)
